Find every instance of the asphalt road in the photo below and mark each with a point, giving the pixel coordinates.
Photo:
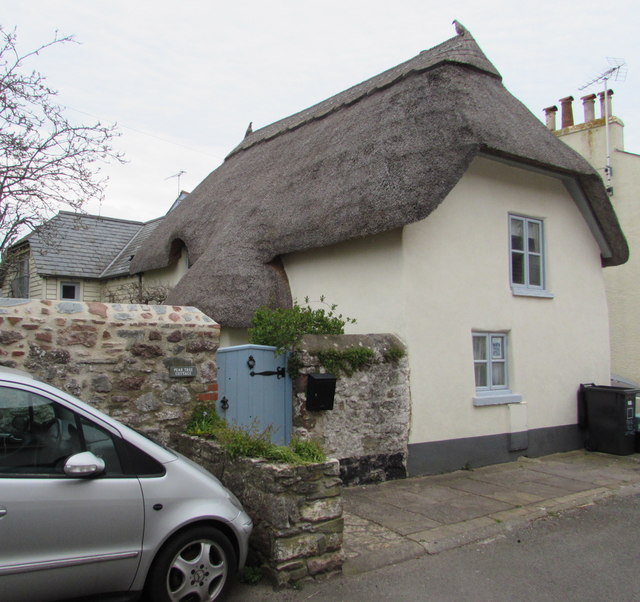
(588, 554)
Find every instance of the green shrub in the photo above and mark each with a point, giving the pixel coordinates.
(283, 328)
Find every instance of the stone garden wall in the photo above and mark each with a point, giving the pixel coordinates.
(368, 427)
(146, 366)
(296, 510)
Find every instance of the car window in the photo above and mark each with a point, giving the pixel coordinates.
(37, 435)
(100, 442)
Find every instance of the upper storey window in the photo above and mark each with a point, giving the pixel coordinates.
(527, 261)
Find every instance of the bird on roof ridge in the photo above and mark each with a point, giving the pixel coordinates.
(460, 28)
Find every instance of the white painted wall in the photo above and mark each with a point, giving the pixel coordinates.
(435, 281)
(622, 282)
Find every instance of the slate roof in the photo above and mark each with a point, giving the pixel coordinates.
(120, 265)
(85, 246)
(378, 156)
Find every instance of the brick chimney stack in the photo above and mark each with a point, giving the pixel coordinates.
(588, 104)
(567, 111)
(550, 117)
(603, 111)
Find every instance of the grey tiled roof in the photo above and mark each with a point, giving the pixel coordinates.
(83, 246)
(120, 265)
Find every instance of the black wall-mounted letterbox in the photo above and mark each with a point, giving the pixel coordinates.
(321, 389)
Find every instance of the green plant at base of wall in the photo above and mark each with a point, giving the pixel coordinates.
(250, 443)
(346, 361)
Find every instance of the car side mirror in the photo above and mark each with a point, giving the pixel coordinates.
(84, 464)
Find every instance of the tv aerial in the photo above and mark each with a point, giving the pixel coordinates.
(177, 176)
(617, 71)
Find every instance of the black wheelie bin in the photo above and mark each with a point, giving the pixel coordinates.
(607, 415)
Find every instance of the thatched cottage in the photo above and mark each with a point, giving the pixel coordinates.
(428, 202)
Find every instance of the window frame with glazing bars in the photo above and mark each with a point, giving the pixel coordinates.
(493, 341)
(526, 255)
(493, 389)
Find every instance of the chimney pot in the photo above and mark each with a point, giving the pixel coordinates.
(588, 104)
(603, 111)
(550, 115)
(567, 111)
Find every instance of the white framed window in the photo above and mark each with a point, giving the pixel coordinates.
(491, 369)
(70, 291)
(526, 255)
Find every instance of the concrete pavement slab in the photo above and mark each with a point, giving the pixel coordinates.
(397, 520)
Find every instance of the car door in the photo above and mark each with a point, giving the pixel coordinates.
(60, 536)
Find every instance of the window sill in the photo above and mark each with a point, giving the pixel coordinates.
(521, 291)
(495, 398)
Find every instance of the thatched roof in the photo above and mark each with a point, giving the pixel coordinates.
(378, 156)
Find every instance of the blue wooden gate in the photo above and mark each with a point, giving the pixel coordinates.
(255, 390)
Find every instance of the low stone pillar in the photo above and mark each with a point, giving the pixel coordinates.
(296, 510)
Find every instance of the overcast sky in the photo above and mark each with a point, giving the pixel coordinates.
(183, 79)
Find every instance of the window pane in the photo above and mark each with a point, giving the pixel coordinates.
(517, 268)
(534, 237)
(69, 291)
(498, 374)
(481, 375)
(101, 444)
(497, 348)
(479, 347)
(535, 270)
(517, 234)
(37, 434)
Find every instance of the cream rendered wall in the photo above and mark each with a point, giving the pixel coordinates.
(170, 275)
(622, 282)
(436, 281)
(363, 277)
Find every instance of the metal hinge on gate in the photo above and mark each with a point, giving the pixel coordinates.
(279, 372)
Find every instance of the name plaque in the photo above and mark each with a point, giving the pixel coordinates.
(182, 371)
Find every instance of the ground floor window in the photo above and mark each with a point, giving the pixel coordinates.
(491, 369)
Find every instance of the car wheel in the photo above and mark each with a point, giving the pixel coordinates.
(195, 566)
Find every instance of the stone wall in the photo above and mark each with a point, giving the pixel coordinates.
(296, 510)
(144, 365)
(368, 427)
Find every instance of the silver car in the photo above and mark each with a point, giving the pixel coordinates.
(89, 507)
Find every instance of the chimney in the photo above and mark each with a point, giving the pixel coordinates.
(567, 111)
(603, 112)
(550, 117)
(588, 104)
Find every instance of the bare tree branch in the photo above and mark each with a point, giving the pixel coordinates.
(47, 163)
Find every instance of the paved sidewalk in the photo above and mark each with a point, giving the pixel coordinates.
(399, 520)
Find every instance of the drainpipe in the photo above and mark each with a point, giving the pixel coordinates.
(605, 107)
